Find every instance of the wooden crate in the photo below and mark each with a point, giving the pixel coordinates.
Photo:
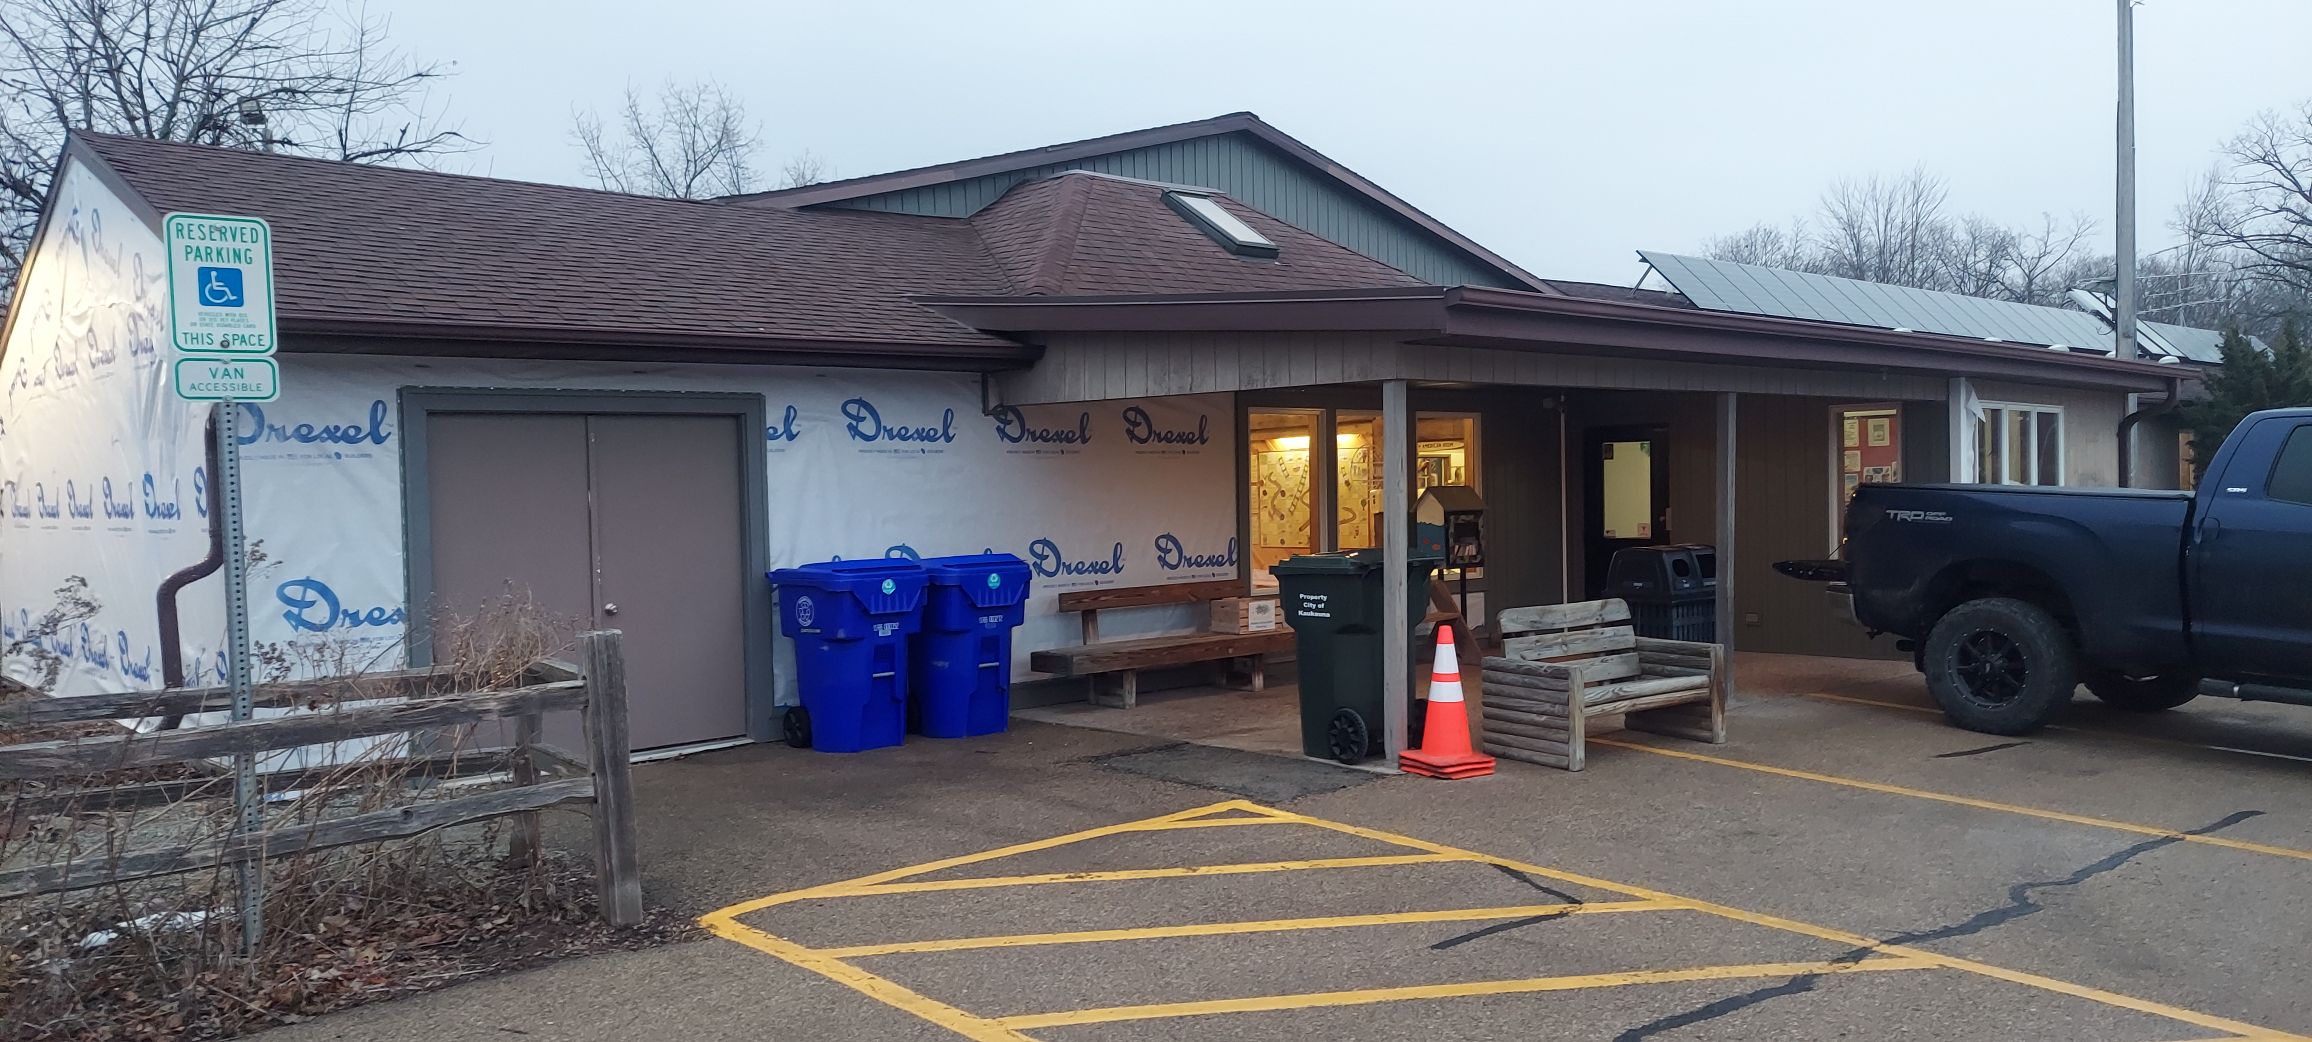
(1244, 615)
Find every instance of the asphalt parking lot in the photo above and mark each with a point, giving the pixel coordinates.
(1846, 867)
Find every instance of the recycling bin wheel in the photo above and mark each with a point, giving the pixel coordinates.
(1349, 736)
(796, 722)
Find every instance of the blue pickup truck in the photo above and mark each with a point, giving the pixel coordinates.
(2010, 597)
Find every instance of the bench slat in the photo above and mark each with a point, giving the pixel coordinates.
(1151, 652)
(1146, 596)
(1603, 640)
(1515, 621)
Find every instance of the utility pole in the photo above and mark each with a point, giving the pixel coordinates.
(2123, 222)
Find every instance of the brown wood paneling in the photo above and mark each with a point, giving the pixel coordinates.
(1144, 596)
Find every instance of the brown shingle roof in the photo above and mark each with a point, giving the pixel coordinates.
(1089, 233)
(364, 244)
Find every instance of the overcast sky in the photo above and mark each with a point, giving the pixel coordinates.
(1561, 134)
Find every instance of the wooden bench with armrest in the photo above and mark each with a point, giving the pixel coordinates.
(1563, 664)
(1114, 666)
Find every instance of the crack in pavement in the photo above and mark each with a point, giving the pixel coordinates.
(1483, 932)
(2020, 903)
(1981, 751)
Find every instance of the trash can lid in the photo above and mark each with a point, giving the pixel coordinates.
(874, 575)
(966, 569)
(1342, 562)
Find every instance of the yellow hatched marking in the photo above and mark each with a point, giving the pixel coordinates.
(1965, 801)
(976, 1028)
(1155, 824)
(924, 886)
(1450, 915)
(1529, 985)
(2061, 987)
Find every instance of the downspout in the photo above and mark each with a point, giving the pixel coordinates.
(2127, 426)
(172, 646)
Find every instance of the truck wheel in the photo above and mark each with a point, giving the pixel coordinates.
(2143, 694)
(2000, 666)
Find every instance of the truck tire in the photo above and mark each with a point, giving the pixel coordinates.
(2143, 694)
(2000, 666)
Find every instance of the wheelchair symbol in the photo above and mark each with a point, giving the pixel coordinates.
(219, 287)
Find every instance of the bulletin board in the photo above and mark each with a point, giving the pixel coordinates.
(1869, 447)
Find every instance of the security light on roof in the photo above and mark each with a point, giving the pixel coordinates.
(1225, 228)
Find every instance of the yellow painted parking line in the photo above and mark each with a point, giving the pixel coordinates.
(1465, 989)
(1856, 940)
(1155, 824)
(1964, 801)
(1331, 922)
(2096, 732)
(976, 1028)
(926, 886)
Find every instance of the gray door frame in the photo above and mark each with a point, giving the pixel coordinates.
(419, 403)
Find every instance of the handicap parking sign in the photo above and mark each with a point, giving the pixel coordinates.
(220, 287)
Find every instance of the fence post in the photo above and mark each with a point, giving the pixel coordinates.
(529, 837)
(617, 871)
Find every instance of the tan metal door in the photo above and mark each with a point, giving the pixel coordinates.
(669, 571)
(603, 521)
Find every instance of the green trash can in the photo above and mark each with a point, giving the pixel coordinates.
(1333, 604)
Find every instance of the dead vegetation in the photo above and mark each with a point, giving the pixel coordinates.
(161, 958)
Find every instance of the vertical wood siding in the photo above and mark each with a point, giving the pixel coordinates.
(1252, 172)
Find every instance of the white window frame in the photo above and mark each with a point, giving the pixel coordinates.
(1998, 432)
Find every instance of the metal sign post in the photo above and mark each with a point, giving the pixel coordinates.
(222, 324)
(249, 873)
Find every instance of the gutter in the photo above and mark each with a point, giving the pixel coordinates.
(2127, 425)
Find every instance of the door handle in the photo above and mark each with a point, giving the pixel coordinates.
(610, 608)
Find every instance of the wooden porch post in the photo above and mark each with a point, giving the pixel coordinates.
(1396, 549)
(1727, 455)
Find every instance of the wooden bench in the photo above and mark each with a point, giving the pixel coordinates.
(1113, 667)
(1562, 664)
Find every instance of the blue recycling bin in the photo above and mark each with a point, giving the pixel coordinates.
(850, 621)
(962, 656)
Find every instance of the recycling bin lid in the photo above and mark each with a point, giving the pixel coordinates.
(989, 580)
(854, 576)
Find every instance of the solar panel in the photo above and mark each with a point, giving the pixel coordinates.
(1752, 289)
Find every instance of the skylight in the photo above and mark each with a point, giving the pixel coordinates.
(1225, 228)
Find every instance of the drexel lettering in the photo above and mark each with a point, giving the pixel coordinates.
(1142, 430)
(1047, 560)
(866, 424)
(92, 648)
(81, 509)
(1173, 556)
(1013, 427)
(13, 494)
(133, 668)
(784, 429)
(158, 509)
(373, 432)
(41, 505)
(315, 608)
(117, 509)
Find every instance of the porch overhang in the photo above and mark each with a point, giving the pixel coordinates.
(1512, 320)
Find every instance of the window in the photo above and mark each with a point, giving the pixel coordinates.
(2019, 445)
(1225, 228)
(2292, 474)
(1867, 444)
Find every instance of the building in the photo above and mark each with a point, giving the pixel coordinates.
(1122, 359)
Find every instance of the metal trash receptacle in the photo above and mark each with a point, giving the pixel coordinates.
(850, 621)
(1333, 602)
(961, 658)
(1672, 590)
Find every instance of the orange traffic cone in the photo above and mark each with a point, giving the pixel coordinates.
(1445, 751)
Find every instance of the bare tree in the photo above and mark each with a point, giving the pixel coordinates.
(806, 168)
(1767, 245)
(2259, 211)
(690, 142)
(323, 79)
(1888, 230)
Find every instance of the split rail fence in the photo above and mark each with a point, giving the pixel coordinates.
(542, 776)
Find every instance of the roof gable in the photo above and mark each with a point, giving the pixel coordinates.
(1237, 154)
(1084, 233)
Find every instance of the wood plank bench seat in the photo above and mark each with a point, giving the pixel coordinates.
(1562, 664)
(1113, 667)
